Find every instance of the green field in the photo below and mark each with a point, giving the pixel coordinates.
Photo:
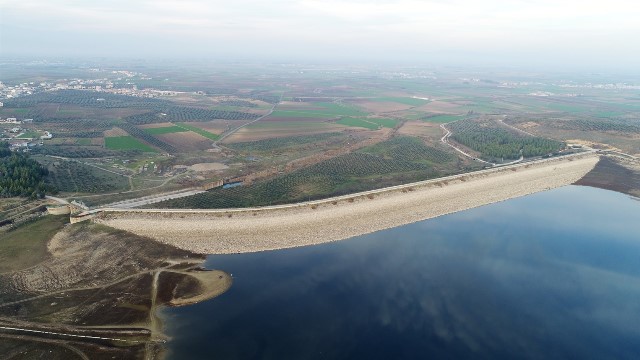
(199, 131)
(482, 106)
(356, 122)
(441, 119)
(282, 142)
(328, 110)
(83, 142)
(165, 130)
(126, 143)
(388, 123)
(27, 245)
(29, 135)
(368, 123)
(287, 125)
(404, 100)
(570, 108)
(608, 114)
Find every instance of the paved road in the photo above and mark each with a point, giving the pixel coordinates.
(152, 199)
(445, 140)
(343, 197)
(41, 332)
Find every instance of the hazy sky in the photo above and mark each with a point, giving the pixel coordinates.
(567, 32)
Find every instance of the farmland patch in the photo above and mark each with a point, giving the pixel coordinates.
(126, 143)
(199, 131)
(185, 141)
(165, 130)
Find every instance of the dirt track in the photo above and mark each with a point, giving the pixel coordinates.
(250, 230)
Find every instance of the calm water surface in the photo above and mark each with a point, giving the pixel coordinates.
(551, 275)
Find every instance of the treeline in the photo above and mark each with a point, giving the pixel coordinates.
(496, 143)
(21, 176)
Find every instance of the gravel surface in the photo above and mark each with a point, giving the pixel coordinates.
(239, 231)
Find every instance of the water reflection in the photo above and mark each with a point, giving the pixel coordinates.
(553, 275)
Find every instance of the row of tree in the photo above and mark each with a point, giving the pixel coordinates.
(498, 144)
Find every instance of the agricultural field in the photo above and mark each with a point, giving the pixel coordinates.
(335, 117)
(183, 142)
(274, 129)
(126, 143)
(411, 149)
(165, 130)
(147, 138)
(411, 101)
(317, 110)
(283, 143)
(368, 123)
(440, 119)
(77, 177)
(393, 162)
(199, 131)
(83, 142)
(358, 122)
(427, 131)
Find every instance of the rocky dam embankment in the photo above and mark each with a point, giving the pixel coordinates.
(277, 227)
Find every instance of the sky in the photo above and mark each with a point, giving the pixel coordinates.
(568, 33)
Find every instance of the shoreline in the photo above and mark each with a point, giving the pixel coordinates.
(229, 231)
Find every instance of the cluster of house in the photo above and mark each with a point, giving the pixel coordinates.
(108, 85)
(19, 138)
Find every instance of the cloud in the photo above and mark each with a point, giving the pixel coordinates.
(367, 27)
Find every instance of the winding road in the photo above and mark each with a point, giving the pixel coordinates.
(445, 140)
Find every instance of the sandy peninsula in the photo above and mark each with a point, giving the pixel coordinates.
(278, 227)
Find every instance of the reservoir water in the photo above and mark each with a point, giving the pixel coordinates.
(554, 275)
